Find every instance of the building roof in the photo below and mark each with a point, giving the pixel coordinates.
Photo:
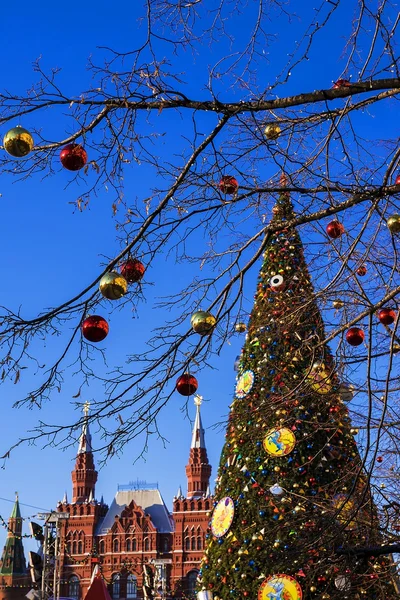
(150, 500)
(97, 590)
(85, 440)
(198, 440)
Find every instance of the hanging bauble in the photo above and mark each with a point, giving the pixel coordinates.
(319, 379)
(95, 328)
(280, 586)
(344, 510)
(240, 327)
(338, 303)
(355, 336)
(279, 442)
(222, 517)
(272, 131)
(387, 316)
(397, 182)
(132, 269)
(341, 83)
(276, 490)
(393, 223)
(113, 286)
(73, 157)
(244, 384)
(362, 270)
(277, 283)
(334, 229)
(18, 142)
(186, 384)
(203, 322)
(228, 184)
(346, 392)
(379, 459)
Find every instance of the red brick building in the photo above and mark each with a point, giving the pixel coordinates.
(136, 530)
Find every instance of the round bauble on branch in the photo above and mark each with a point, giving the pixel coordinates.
(393, 223)
(186, 384)
(355, 336)
(272, 131)
(397, 182)
(361, 271)
(387, 316)
(95, 328)
(203, 322)
(334, 229)
(133, 270)
(18, 142)
(338, 303)
(113, 286)
(73, 157)
(228, 184)
(240, 327)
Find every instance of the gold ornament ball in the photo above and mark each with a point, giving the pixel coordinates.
(240, 327)
(272, 131)
(338, 303)
(113, 286)
(313, 588)
(203, 322)
(393, 223)
(18, 142)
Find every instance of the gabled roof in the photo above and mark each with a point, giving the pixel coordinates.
(150, 501)
(97, 590)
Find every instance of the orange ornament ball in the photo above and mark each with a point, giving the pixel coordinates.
(95, 328)
(228, 184)
(397, 182)
(186, 384)
(386, 316)
(73, 157)
(355, 336)
(133, 270)
(334, 229)
(362, 270)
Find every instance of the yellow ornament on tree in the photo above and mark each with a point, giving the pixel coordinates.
(203, 322)
(18, 142)
(272, 131)
(393, 223)
(113, 286)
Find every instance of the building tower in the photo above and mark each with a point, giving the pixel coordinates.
(190, 514)
(13, 571)
(84, 476)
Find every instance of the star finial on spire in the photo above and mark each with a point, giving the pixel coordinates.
(198, 400)
(86, 407)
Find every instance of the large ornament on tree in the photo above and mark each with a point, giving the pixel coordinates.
(386, 316)
(244, 384)
(132, 269)
(222, 517)
(280, 587)
(279, 442)
(18, 142)
(277, 283)
(319, 379)
(113, 286)
(186, 384)
(73, 157)
(240, 327)
(393, 223)
(228, 184)
(334, 229)
(95, 328)
(203, 322)
(397, 182)
(361, 271)
(272, 131)
(355, 336)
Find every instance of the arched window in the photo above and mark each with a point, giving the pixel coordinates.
(115, 589)
(146, 544)
(101, 547)
(199, 543)
(207, 505)
(116, 546)
(134, 545)
(193, 543)
(80, 547)
(192, 506)
(184, 506)
(81, 510)
(165, 547)
(128, 545)
(73, 547)
(187, 543)
(200, 505)
(68, 547)
(74, 588)
(131, 587)
(191, 578)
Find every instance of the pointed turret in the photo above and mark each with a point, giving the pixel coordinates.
(84, 476)
(198, 470)
(13, 559)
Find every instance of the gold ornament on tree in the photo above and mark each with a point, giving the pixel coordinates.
(272, 131)
(203, 322)
(393, 223)
(240, 327)
(338, 303)
(18, 142)
(113, 286)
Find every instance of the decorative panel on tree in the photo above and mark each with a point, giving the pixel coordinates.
(290, 469)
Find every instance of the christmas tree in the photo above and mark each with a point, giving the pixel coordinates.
(294, 512)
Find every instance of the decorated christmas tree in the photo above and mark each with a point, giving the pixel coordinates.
(294, 516)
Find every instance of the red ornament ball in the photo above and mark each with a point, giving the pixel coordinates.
(397, 182)
(355, 336)
(95, 328)
(186, 384)
(334, 229)
(362, 270)
(228, 185)
(73, 157)
(341, 83)
(379, 459)
(387, 316)
(133, 270)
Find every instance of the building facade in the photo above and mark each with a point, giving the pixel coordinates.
(14, 578)
(136, 536)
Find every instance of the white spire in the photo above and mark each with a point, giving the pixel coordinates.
(179, 493)
(65, 499)
(91, 496)
(198, 431)
(208, 491)
(85, 440)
